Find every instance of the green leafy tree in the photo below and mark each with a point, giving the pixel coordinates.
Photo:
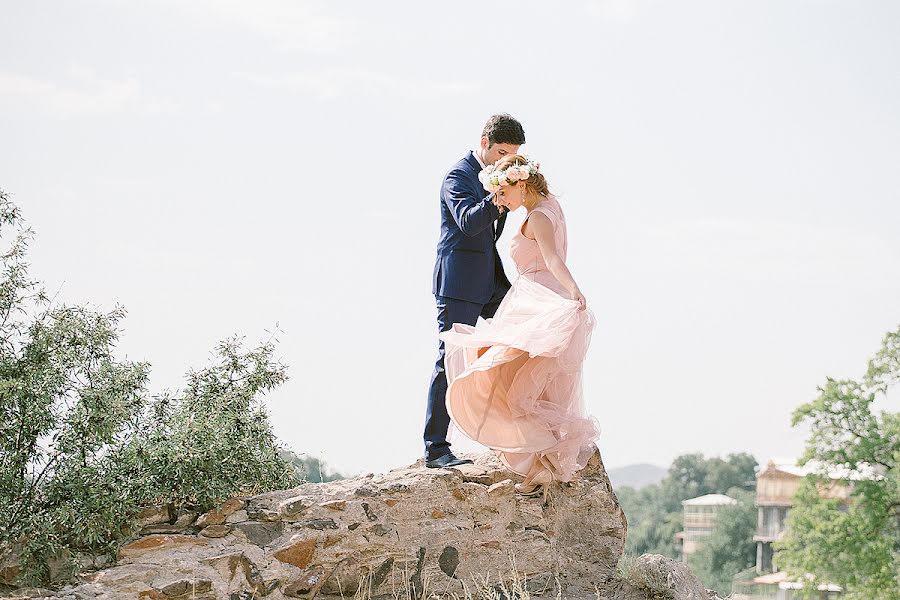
(213, 440)
(651, 525)
(654, 512)
(730, 548)
(83, 447)
(310, 468)
(855, 544)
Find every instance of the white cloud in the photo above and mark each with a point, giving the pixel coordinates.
(291, 24)
(330, 83)
(83, 93)
(616, 10)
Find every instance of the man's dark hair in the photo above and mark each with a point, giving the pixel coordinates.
(503, 129)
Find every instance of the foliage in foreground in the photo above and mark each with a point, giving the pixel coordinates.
(857, 544)
(83, 446)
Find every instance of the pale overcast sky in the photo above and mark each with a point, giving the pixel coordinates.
(729, 172)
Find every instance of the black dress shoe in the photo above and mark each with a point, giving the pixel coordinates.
(447, 460)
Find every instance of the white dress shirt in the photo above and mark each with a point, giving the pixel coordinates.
(500, 209)
(478, 158)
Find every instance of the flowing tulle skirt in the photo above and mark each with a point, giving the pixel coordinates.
(515, 381)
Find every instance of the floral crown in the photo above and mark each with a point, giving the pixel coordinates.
(493, 179)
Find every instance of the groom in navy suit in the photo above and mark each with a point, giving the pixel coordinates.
(468, 279)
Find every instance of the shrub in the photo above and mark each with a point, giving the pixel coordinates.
(82, 445)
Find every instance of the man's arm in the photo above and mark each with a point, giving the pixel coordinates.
(471, 214)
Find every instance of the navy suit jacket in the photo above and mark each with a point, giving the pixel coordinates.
(468, 266)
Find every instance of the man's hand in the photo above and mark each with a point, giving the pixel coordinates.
(500, 202)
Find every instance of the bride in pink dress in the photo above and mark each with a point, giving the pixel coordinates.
(515, 380)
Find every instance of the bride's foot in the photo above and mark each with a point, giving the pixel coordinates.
(536, 486)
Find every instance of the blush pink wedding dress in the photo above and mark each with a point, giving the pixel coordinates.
(514, 380)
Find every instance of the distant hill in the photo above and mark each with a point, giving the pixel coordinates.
(637, 475)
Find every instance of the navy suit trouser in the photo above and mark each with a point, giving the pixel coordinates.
(450, 311)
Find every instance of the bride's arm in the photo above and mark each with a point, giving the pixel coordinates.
(546, 240)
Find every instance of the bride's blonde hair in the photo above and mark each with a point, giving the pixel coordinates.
(535, 185)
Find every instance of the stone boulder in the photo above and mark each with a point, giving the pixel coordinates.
(659, 577)
(406, 533)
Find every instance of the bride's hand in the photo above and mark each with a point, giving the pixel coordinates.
(579, 297)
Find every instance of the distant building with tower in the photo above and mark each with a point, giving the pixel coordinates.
(775, 488)
(700, 515)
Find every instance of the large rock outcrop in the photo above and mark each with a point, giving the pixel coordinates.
(406, 533)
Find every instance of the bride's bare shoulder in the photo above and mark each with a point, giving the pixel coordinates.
(536, 222)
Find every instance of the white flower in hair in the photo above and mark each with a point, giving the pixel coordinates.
(485, 173)
(493, 179)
